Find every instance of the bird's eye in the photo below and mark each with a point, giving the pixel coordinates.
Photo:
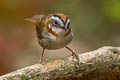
(56, 22)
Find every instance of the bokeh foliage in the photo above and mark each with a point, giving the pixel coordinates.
(93, 20)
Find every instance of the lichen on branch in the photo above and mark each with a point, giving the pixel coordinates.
(100, 64)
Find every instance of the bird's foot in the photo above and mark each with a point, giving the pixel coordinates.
(74, 55)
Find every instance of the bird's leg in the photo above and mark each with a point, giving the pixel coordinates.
(73, 53)
(41, 58)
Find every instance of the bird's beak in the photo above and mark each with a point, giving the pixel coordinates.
(65, 28)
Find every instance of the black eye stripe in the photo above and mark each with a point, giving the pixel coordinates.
(66, 21)
(68, 25)
(60, 18)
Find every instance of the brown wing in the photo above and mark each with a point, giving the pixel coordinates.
(38, 20)
(39, 24)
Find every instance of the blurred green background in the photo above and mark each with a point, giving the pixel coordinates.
(95, 23)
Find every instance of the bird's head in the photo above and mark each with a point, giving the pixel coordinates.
(59, 21)
(56, 23)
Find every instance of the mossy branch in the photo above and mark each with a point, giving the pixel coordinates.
(100, 64)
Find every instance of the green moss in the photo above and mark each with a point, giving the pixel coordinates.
(23, 77)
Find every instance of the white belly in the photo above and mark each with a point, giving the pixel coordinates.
(53, 43)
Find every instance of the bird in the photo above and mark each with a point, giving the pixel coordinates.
(53, 31)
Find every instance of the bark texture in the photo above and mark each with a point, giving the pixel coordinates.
(100, 64)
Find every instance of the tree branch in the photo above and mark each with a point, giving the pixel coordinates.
(101, 64)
